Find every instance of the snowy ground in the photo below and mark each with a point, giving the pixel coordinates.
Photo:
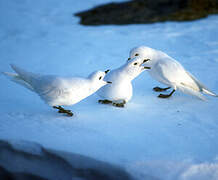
(166, 139)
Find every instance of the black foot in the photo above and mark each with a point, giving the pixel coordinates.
(158, 89)
(105, 101)
(64, 111)
(166, 95)
(119, 104)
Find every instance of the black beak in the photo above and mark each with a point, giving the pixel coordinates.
(109, 82)
(107, 71)
(145, 60)
(147, 67)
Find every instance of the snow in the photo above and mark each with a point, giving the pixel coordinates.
(52, 164)
(165, 139)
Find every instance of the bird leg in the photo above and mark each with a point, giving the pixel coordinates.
(158, 89)
(117, 104)
(166, 95)
(62, 110)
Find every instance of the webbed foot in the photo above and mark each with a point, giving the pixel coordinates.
(158, 89)
(64, 111)
(122, 104)
(166, 95)
(105, 101)
(113, 103)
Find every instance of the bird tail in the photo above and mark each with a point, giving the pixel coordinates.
(206, 91)
(23, 74)
(22, 77)
(202, 87)
(188, 90)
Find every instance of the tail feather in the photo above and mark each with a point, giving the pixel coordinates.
(17, 79)
(206, 91)
(202, 87)
(24, 75)
(188, 90)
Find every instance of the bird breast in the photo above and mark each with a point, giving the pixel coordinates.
(117, 91)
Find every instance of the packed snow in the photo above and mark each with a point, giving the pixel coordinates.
(164, 139)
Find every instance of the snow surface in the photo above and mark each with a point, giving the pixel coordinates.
(165, 139)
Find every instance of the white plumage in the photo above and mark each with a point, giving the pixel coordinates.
(55, 90)
(121, 88)
(170, 72)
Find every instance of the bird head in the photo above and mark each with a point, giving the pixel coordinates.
(135, 66)
(97, 78)
(148, 55)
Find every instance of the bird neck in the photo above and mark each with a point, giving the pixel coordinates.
(126, 74)
(156, 57)
(94, 86)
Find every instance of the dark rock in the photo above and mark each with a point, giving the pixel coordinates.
(148, 11)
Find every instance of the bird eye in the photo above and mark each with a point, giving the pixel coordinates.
(135, 63)
(100, 77)
(136, 54)
(129, 59)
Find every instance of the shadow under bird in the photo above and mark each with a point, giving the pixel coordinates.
(170, 72)
(120, 91)
(59, 91)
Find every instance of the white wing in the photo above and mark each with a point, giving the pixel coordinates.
(61, 91)
(53, 90)
(173, 74)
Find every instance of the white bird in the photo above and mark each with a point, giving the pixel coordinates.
(120, 91)
(170, 72)
(57, 91)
